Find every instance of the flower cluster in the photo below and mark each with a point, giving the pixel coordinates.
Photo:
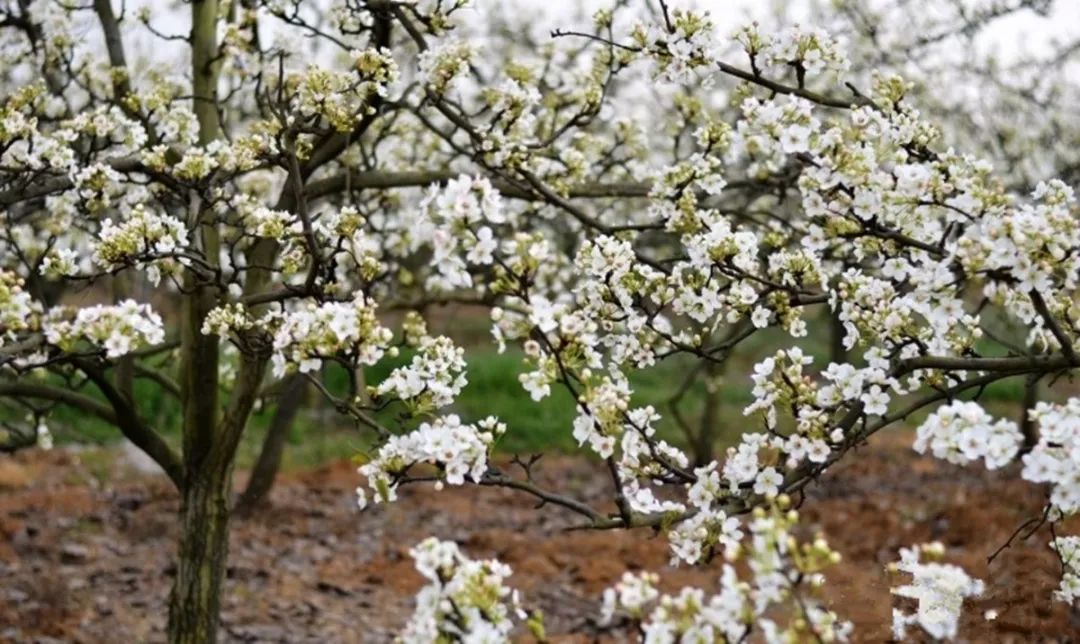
(465, 600)
(312, 333)
(455, 221)
(808, 50)
(1055, 459)
(780, 384)
(118, 329)
(18, 310)
(771, 130)
(783, 573)
(1034, 242)
(142, 235)
(460, 450)
(345, 229)
(229, 317)
(443, 64)
(1068, 551)
(689, 45)
(98, 185)
(599, 421)
(708, 532)
(340, 97)
(265, 222)
(59, 263)
(643, 461)
(432, 380)
(939, 589)
(962, 432)
(779, 380)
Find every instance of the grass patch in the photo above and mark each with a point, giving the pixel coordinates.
(320, 434)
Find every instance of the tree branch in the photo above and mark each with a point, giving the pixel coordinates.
(131, 426)
(67, 397)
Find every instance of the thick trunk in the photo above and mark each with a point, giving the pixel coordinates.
(194, 603)
(209, 437)
(204, 513)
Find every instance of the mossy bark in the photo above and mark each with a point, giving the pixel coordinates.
(195, 601)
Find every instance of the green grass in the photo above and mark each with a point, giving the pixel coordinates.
(493, 389)
(319, 434)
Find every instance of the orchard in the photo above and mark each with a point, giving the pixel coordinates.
(229, 201)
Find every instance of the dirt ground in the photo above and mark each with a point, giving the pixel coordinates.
(85, 562)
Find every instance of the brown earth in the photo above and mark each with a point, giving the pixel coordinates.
(86, 561)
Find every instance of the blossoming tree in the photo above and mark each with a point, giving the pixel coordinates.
(646, 188)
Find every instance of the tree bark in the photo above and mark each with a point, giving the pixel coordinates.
(194, 603)
(837, 351)
(269, 461)
(1027, 423)
(706, 437)
(208, 445)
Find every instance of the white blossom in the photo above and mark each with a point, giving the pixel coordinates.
(465, 600)
(939, 589)
(962, 432)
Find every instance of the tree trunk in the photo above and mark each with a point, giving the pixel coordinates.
(837, 352)
(706, 437)
(208, 448)
(194, 603)
(266, 467)
(1027, 423)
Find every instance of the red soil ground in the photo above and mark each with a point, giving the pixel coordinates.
(93, 563)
